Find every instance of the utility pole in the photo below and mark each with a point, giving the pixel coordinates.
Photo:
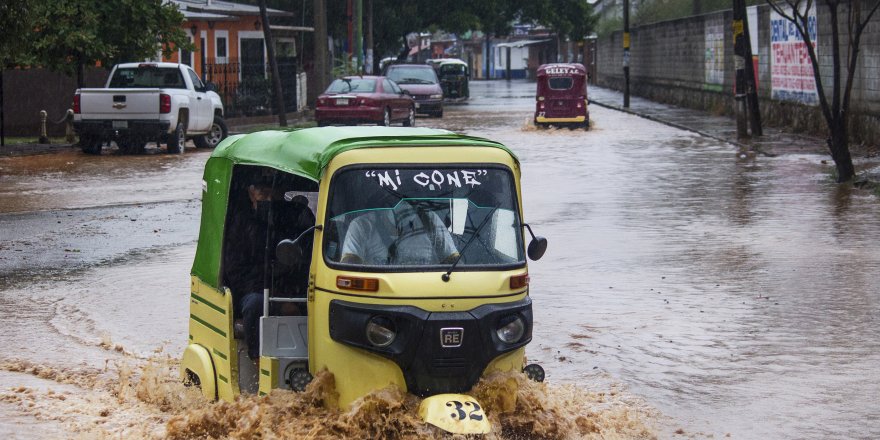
(507, 62)
(626, 53)
(368, 39)
(359, 35)
(751, 87)
(739, 58)
(273, 65)
(320, 70)
(2, 124)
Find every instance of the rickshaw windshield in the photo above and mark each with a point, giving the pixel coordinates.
(394, 218)
(452, 69)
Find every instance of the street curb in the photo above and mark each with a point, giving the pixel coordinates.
(683, 127)
(32, 149)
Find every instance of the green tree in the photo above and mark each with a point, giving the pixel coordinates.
(16, 19)
(394, 19)
(71, 34)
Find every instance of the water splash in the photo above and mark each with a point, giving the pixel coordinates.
(517, 409)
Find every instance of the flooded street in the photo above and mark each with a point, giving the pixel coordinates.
(736, 294)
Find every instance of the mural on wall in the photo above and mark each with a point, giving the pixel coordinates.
(714, 61)
(791, 71)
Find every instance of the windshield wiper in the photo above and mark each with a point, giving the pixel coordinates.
(445, 276)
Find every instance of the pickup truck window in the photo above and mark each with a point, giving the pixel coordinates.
(197, 83)
(147, 78)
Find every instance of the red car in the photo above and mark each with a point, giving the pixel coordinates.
(365, 99)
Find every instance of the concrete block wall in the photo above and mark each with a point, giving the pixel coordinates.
(673, 62)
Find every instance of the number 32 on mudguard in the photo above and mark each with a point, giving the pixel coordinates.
(456, 413)
(465, 411)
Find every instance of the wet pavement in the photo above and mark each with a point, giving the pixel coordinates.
(710, 292)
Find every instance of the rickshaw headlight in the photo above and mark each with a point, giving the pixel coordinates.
(511, 328)
(381, 331)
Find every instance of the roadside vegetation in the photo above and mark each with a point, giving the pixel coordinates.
(653, 11)
(65, 36)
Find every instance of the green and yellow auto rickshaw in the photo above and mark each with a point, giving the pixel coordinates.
(454, 76)
(386, 256)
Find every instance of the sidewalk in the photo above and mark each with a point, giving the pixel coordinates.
(722, 128)
(235, 126)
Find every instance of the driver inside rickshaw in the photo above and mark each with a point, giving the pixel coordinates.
(245, 255)
(408, 234)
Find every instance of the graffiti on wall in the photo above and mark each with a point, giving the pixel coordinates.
(714, 60)
(791, 71)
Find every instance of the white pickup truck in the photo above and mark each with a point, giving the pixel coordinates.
(143, 102)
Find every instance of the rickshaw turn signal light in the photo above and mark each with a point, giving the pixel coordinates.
(519, 281)
(355, 283)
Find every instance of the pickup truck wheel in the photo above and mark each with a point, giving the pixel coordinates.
(90, 145)
(177, 139)
(217, 133)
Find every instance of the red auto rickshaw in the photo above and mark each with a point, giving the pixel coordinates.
(562, 96)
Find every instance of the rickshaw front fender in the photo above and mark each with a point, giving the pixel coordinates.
(197, 361)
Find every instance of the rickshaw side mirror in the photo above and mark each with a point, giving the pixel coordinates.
(537, 247)
(290, 252)
(293, 252)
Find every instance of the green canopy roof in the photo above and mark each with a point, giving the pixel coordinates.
(303, 152)
(306, 152)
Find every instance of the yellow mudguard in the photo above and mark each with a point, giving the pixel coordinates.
(455, 413)
(197, 360)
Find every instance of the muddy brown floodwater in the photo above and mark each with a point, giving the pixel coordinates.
(689, 291)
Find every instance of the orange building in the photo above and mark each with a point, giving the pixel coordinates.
(231, 53)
